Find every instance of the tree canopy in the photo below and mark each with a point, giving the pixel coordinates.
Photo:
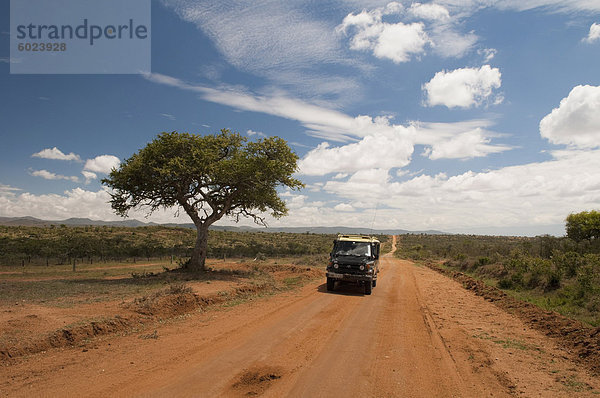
(208, 177)
(584, 225)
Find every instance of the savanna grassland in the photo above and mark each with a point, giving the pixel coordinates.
(60, 278)
(61, 244)
(557, 274)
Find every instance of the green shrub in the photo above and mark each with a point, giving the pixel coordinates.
(505, 283)
(481, 261)
(568, 262)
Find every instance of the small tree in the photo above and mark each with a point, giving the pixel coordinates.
(208, 177)
(583, 226)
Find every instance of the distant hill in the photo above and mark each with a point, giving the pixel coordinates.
(36, 222)
(73, 222)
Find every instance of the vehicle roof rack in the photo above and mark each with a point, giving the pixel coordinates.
(357, 237)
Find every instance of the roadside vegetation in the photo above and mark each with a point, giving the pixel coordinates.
(555, 273)
(99, 263)
(101, 244)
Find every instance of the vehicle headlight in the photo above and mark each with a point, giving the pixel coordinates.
(335, 265)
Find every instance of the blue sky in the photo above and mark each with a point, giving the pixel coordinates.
(458, 115)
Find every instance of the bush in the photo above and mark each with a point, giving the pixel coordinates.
(481, 261)
(568, 262)
(505, 283)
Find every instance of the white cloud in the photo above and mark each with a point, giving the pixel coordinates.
(470, 144)
(462, 88)
(252, 133)
(8, 190)
(75, 203)
(320, 121)
(430, 11)
(398, 42)
(56, 154)
(526, 195)
(450, 44)
(567, 6)
(281, 41)
(89, 176)
(47, 175)
(488, 54)
(384, 149)
(391, 145)
(576, 122)
(419, 26)
(343, 207)
(535, 194)
(594, 34)
(460, 140)
(102, 164)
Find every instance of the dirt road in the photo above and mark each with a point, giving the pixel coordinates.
(419, 334)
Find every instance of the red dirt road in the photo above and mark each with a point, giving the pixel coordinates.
(419, 334)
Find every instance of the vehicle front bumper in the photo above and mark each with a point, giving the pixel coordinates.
(349, 277)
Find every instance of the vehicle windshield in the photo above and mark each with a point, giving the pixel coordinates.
(345, 248)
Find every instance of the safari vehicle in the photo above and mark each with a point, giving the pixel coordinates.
(354, 259)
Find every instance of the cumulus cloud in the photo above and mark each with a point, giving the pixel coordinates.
(56, 154)
(541, 193)
(89, 176)
(343, 207)
(102, 164)
(384, 150)
(47, 175)
(398, 42)
(463, 88)
(252, 133)
(487, 53)
(77, 202)
(576, 121)
(74, 203)
(594, 34)
(431, 11)
(417, 27)
(534, 194)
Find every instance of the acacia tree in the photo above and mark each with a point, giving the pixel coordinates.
(208, 177)
(583, 226)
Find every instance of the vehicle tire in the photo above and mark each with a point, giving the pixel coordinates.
(368, 288)
(374, 282)
(330, 284)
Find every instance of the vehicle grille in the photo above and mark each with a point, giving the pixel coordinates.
(349, 269)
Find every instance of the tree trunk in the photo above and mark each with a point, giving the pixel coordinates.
(198, 258)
